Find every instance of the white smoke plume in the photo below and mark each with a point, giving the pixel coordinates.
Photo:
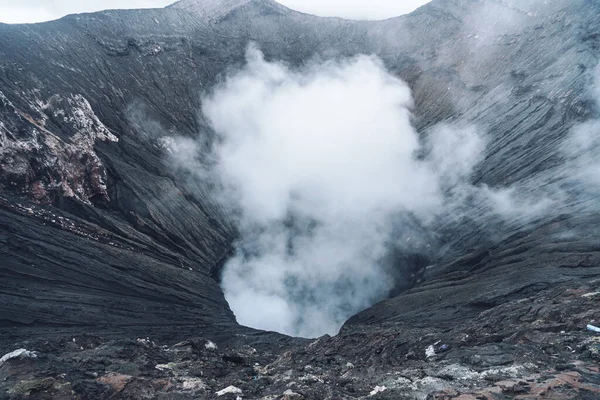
(317, 162)
(325, 177)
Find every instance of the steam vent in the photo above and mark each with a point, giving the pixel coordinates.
(232, 199)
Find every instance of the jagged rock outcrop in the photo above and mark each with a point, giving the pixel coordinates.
(99, 233)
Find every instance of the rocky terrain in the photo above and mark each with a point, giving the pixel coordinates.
(110, 257)
(528, 348)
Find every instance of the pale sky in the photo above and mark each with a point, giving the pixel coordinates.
(22, 11)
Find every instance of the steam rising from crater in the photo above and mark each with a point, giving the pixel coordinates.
(318, 163)
(328, 181)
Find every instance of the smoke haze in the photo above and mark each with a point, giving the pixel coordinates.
(318, 162)
(327, 179)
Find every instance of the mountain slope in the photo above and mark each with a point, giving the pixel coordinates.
(213, 10)
(86, 101)
(104, 241)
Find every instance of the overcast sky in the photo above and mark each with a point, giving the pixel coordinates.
(20, 11)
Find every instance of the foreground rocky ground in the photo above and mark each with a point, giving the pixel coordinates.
(537, 347)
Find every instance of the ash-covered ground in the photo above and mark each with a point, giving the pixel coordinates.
(531, 348)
